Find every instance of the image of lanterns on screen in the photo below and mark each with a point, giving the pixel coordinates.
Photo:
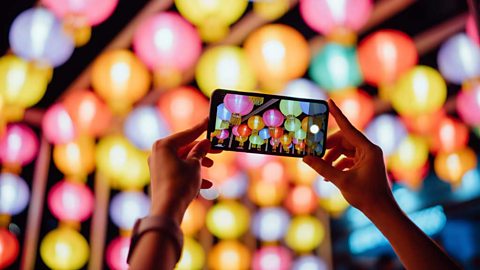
(268, 124)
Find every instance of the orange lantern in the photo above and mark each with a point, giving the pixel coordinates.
(265, 193)
(301, 200)
(224, 168)
(425, 124)
(356, 104)
(229, 254)
(412, 178)
(273, 172)
(450, 135)
(255, 123)
(451, 166)
(276, 132)
(77, 158)
(300, 172)
(194, 218)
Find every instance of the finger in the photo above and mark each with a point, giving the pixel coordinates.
(323, 168)
(350, 132)
(183, 151)
(185, 137)
(333, 154)
(334, 140)
(207, 162)
(200, 150)
(344, 163)
(206, 184)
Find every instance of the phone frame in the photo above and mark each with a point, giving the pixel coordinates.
(213, 115)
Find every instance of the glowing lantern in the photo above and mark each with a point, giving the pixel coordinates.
(230, 255)
(412, 154)
(290, 109)
(386, 131)
(228, 220)
(472, 31)
(117, 252)
(301, 200)
(194, 218)
(303, 88)
(89, 114)
(144, 125)
(331, 199)
(459, 59)
(304, 234)
(335, 67)
(451, 135)
(76, 158)
(18, 146)
(425, 124)
(70, 201)
(357, 105)
(224, 67)
(309, 262)
(64, 248)
(452, 166)
(300, 172)
(278, 53)
(127, 207)
(235, 186)
(193, 256)
(238, 105)
(9, 248)
(224, 167)
(224, 115)
(412, 178)
(266, 193)
(112, 156)
(270, 224)
(243, 132)
(421, 90)
(271, 10)
(273, 172)
(136, 173)
(255, 123)
(183, 107)
(37, 35)
(211, 17)
(120, 78)
(468, 105)
(272, 257)
(167, 44)
(384, 55)
(57, 125)
(273, 118)
(14, 194)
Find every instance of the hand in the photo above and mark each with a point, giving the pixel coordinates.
(175, 164)
(360, 171)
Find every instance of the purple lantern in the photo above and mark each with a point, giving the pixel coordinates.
(37, 35)
(309, 262)
(273, 118)
(270, 223)
(223, 134)
(14, 194)
(238, 105)
(468, 105)
(127, 207)
(386, 131)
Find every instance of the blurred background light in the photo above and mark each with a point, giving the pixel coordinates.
(71, 201)
(128, 206)
(144, 125)
(14, 194)
(64, 248)
(270, 223)
(228, 220)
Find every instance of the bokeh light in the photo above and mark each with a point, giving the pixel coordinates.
(57, 125)
(193, 255)
(9, 248)
(71, 201)
(117, 252)
(18, 145)
(229, 254)
(272, 257)
(304, 234)
(75, 159)
(144, 125)
(270, 223)
(14, 194)
(228, 220)
(126, 207)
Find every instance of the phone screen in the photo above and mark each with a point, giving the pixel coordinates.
(267, 124)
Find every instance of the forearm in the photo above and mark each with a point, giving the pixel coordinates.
(154, 250)
(414, 248)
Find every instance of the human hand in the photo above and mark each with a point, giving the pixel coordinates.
(359, 172)
(175, 176)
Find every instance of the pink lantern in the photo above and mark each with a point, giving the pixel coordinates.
(57, 125)
(18, 145)
(468, 105)
(235, 131)
(238, 105)
(223, 134)
(92, 11)
(273, 118)
(167, 40)
(272, 257)
(472, 30)
(325, 16)
(70, 201)
(117, 252)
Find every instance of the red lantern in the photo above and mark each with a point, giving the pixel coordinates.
(357, 105)
(424, 125)
(70, 201)
(117, 252)
(243, 130)
(450, 135)
(301, 200)
(9, 248)
(276, 132)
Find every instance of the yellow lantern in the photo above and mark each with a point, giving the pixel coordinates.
(228, 220)
(266, 193)
(212, 17)
(136, 174)
(64, 248)
(193, 256)
(255, 123)
(304, 234)
(271, 10)
(228, 254)
(278, 54)
(75, 159)
(451, 166)
(224, 67)
(300, 172)
(120, 78)
(412, 154)
(419, 91)
(22, 85)
(194, 218)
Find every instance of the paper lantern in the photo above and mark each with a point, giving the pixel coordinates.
(386, 131)
(213, 17)
(309, 262)
(468, 105)
(18, 146)
(266, 193)
(304, 234)
(71, 201)
(273, 118)
(89, 114)
(57, 125)
(22, 84)
(411, 178)
(451, 135)
(234, 187)
(452, 166)
(303, 88)
(272, 257)
(357, 105)
(91, 11)
(425, 124)
(194, 217)
(412, 154)
(421, 90)
(193, 256)
(336, 67)
(459, 59)
(270, 224)
(183, 107)
(112, 155)
(37, 35)
(117, 252)
(330, 197)
(224, 67)
(9, 248)
(472, 31)
(278, 53)
(14, 194)
(126, 207)
(136, 174)
(144, 125)
(77, 158)
(120, 79)
(64, 248)
(386, 54)
(229, 254)
(238, 105)
(255, 123)
(271, 10)
(301, 200)
(228, 220)
(300, 172)
(326, 16)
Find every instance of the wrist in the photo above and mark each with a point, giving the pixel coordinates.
(168, 208)
(381, 208)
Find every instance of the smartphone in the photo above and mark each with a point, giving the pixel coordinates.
(267, 124)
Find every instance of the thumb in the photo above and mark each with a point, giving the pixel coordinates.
(200, 150)
(323, 168)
